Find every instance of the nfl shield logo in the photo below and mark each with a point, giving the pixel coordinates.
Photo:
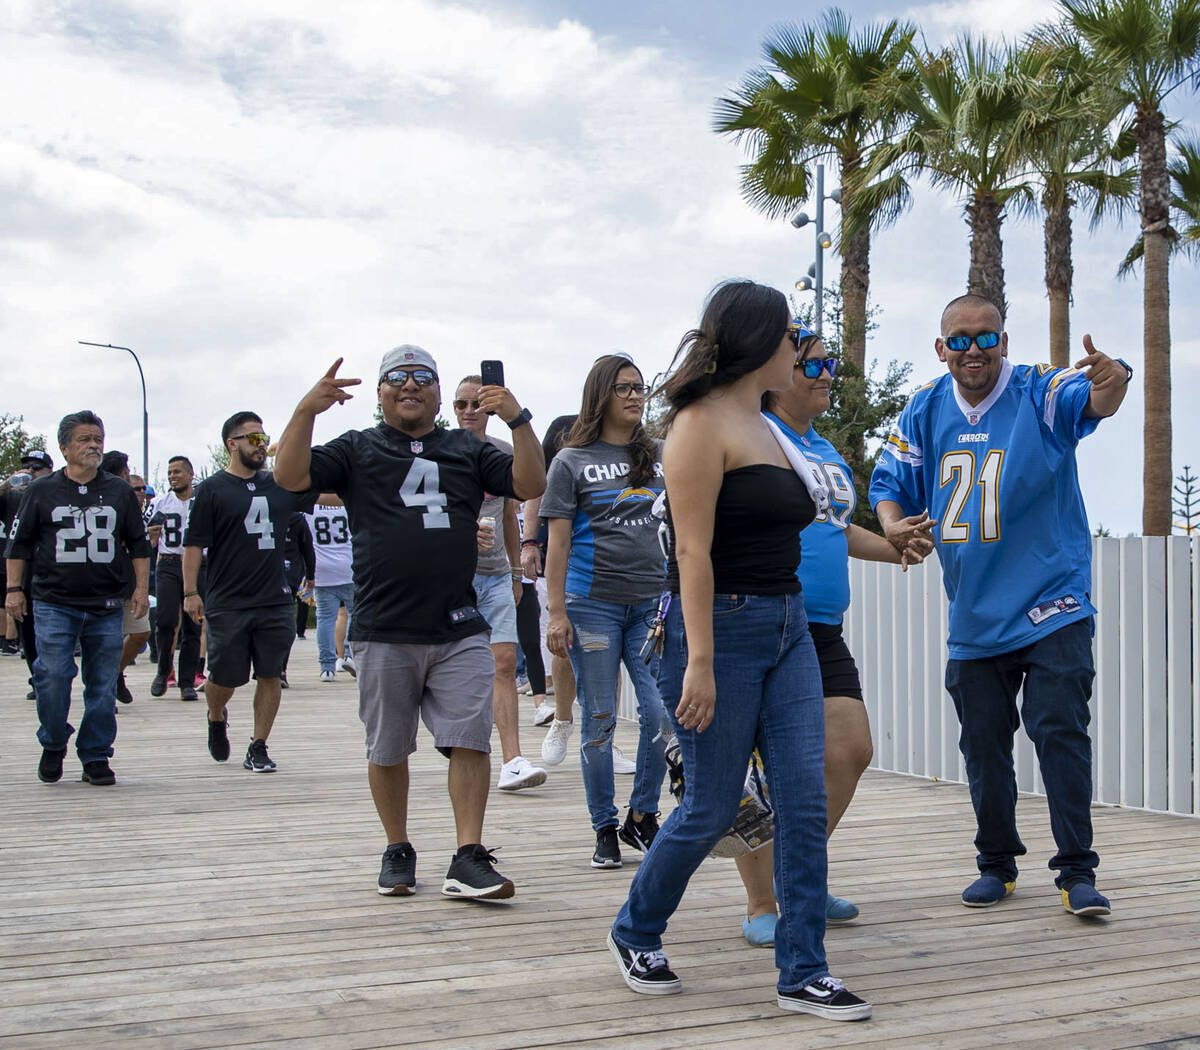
(417, 447)
(250, 486)
(972, 419)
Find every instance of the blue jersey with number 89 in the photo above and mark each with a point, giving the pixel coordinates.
(1000, 478)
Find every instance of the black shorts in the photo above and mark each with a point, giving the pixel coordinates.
(839, 672)
(239, 638)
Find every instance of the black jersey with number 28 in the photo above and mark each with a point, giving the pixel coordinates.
(242, 522)
(413, 505)
(80, 539)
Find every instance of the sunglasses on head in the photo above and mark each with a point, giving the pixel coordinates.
(798, 331)
(812, 366)
(258, 439)
(984, 340)
(462, 404)
(400, 376)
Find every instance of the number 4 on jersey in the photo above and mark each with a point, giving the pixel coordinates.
(258, 523)
(420, 489)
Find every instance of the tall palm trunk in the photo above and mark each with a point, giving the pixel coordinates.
(856, 282)
(1156, 299)
(1059, 273)
(986, 275)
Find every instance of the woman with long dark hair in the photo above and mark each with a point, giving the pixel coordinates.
(604, 575)
(738, 668)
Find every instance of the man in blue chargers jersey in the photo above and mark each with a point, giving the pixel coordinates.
(989, 450)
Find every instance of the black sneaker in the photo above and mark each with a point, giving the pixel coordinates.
(646, 972)
(218, 738)
(826, 997)
(473, 874)
(398, 874)
(123, 693)
(257, 760)
(98, 773)
(10, 647)
(639, 833)
(159, 686)
(608, 853)
(188, 692)
(50, 767)
(283, 682)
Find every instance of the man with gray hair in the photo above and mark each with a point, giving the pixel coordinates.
(412, 491)
(80, 533)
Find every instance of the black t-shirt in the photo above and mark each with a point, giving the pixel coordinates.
(79, 540)
(413, 505)
(242, 522)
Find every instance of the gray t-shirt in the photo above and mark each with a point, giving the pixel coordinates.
(615, 556)
(493, 560)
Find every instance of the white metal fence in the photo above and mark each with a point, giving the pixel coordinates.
(1145, 704)
(1146, 701)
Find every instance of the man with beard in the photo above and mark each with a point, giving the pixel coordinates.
(241, 516)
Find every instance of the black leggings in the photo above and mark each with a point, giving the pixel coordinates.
(529, 614)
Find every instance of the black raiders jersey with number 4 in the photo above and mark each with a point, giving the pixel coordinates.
(242, 522)
(80, 540)
(413, 504)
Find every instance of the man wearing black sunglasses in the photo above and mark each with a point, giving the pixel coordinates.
(413, 492)
(989, 451)
(240, 515)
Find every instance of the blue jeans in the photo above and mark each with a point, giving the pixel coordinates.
(769, 696)
(328, 600)
(99, 635)
(603, 635)
(1056, 672)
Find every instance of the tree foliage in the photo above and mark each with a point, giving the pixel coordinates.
(15, 440)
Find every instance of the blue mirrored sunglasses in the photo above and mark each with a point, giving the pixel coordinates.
(983, 340)
(812, 366)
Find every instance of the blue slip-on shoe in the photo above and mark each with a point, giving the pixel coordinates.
(760, 931)
(838, 910)
(986, 891)
(1083, 899)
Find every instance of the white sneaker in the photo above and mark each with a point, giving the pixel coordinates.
(349, 666)
(620, 763)
(544, 714)
(338, 666)
(523, 687)
(554, 747)
(518, 773)
(327, 676)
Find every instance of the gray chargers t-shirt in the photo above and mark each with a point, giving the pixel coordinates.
(615, 556)
(493, 560)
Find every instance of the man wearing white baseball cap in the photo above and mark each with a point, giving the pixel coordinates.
(412, 491)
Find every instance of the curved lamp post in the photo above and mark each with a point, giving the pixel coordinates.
(145, 414)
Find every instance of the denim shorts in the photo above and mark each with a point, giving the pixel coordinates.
(495, 602)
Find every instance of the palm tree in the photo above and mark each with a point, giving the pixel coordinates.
(1185, 206)
(971, 106)
(1075, 160)
(827, 93)
(1148, 48)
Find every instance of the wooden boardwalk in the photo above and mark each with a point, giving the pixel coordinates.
(198, 905)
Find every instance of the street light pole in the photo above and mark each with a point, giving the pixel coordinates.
(145, 413)
(816, 278)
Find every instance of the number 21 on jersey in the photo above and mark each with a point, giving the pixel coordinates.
(958, 469)
(420, 489)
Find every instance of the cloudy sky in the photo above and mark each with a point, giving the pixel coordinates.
(243, 191)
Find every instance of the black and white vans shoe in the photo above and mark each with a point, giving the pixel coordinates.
(826, 997)
(647, 973)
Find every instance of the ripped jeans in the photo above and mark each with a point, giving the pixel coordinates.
(604, 634)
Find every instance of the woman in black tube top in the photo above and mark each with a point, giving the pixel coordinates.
(738, 668)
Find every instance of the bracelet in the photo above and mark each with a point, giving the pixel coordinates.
(188, 594)
(529, 543)
(15, 590)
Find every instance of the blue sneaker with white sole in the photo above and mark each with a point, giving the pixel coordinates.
(1083, 899)
(986, 891)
